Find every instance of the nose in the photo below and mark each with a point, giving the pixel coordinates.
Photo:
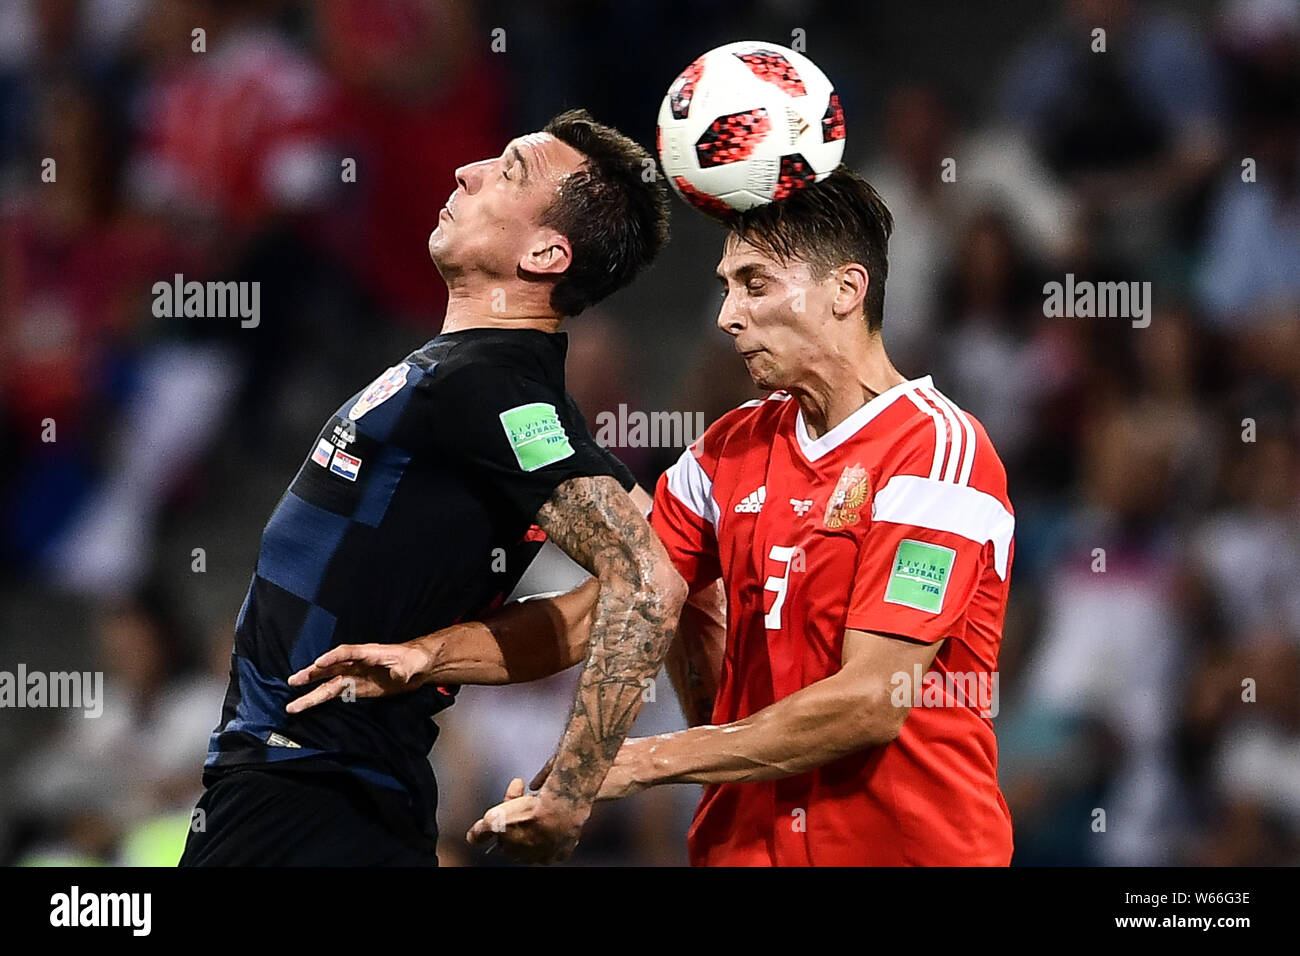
(469, 176)
(731, 318)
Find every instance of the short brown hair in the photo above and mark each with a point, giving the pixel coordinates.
(614, 211)
(827, 224)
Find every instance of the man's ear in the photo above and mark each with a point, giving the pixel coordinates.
(851, 282)
(550, 255)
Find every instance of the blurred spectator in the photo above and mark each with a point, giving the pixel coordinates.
(917, 138)
(264, 145)
(996, 353)
(1111, 662)
(599, 373)
(930, 177)
(1251, 243)
(1133, 129)
(73, 282)
(236, 188)
(142, 754)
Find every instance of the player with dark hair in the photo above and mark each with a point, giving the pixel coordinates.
(468, 449)
(860, 525)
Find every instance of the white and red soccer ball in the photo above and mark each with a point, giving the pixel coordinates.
(748, 123)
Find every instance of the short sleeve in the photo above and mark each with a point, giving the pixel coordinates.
(929, 544)
(616, 466)
(935, 535)
(914, 582)
(685, 518)
(519, 437)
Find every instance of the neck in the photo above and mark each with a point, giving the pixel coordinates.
(474, 310)
(842, 383)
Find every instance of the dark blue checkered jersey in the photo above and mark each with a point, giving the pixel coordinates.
(396, 525)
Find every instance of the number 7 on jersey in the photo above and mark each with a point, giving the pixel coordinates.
(790, 557)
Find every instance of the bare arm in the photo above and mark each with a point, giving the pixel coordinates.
(838, 715)
(694, 661)
(520, 642)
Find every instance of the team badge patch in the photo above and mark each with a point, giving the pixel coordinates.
(345, 465)
(380, 390)
(536, 436)
(322, 453)
(919, 576)
(849, 496)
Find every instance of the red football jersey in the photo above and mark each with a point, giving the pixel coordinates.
(895, 521)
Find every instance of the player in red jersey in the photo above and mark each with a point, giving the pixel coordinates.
(858, 525)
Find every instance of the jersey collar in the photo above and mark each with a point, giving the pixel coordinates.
(815, 448)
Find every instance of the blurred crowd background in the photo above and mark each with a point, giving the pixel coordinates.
(1175, 449)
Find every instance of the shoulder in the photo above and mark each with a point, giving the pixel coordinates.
(690, 478)
(941, 472)
(474, 383)
(754, 421)
(935, 438)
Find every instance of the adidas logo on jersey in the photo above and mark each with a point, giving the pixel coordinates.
(752, 503)
(801, 505)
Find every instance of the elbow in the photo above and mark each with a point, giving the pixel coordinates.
(883, 721)
(669, 587)
(646, 584)
(887, 723)
(844, 724)
(657, 590)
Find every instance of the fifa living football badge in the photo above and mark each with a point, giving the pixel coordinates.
(849, 496)
(380, 390)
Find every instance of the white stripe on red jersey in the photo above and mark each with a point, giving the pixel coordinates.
(690, 485)
(957, 509)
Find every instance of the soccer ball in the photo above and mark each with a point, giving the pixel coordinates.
(748, 123)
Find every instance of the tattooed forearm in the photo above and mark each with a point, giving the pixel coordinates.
(641, 595)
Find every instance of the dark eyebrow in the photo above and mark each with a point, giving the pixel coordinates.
(745, 272)
(522, 162)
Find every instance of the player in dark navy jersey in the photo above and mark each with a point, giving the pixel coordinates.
(393, 530)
